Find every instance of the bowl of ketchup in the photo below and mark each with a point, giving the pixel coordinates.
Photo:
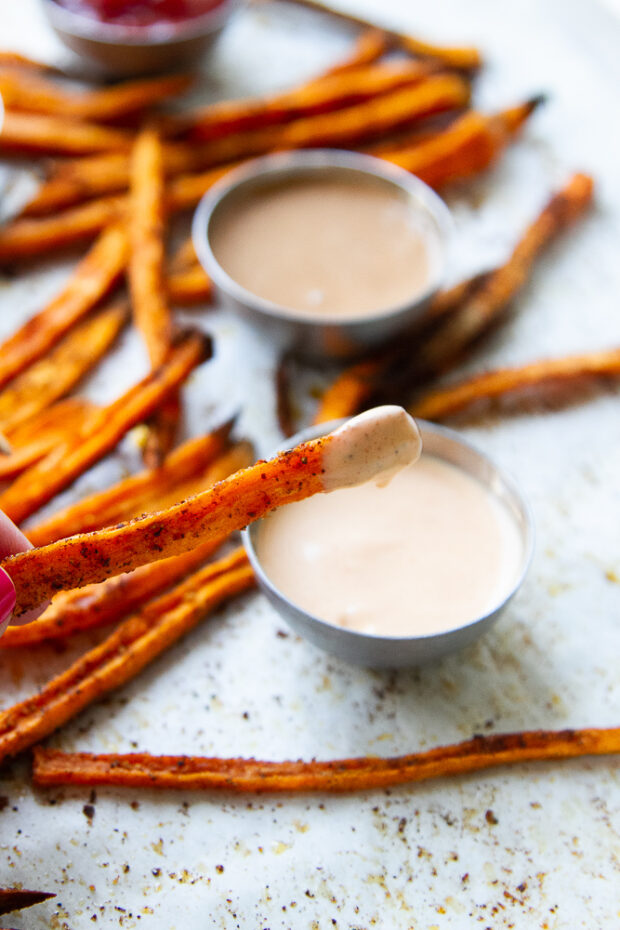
(126, 37)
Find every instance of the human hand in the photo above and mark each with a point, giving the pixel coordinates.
(12, 540)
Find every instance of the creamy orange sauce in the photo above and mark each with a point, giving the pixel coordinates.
(429, 552)
(339, 246)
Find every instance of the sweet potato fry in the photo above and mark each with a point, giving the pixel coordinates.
(101, 434)
(98, 604)
(464, 58)
(139, 493)
(326, 94)
(36, 439)
(535, 377)
(62, 368)
(258, 125)
(189, 287)
(483, 309)
(28, 238)
(183, 258)
(123, 654)
(227, 506)
(24, 63)
(38, 134)
(36, 95)
(54, 767)
(146, 259)
(90, 281)
(15, 899)
(467, 147)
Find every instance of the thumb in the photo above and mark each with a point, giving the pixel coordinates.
(12, 540)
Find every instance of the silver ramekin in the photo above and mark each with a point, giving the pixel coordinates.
(320, 339)
(403, 651)
(128, 50)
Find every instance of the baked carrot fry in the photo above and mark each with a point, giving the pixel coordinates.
(62, 368)
(68, 414)
(37, 95)
(98, 604)
(536, 376)
(465, 58)
(183, 258)
(89, 282)
(484, 307)
(100, 435)
(331, 111)
(44, 439)
(368, 48)
(146, 257)
(27, 238)
(54, 767)
(49, 135)
(467, 147)
(124, 653)
(137, 494)
(218, 511)
(22, 62)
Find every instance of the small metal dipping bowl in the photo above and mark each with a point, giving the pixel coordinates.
(321, 338)
(123, 51)
(403, 651)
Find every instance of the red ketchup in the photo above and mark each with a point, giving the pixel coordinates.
(140, 13)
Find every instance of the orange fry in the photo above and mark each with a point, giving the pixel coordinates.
(89, 282)
(37, 95)
(139, 493)
(38, 134)
(100, 435)
(42, 438)
(124, 653)
(537, 376)
(62, 368)
(98, 604)
(132, 770)
(369, 47)
(218, 511)
(188, 287)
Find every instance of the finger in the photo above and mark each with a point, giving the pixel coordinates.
(7, 600)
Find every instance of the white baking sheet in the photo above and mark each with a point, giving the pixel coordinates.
(532, 846)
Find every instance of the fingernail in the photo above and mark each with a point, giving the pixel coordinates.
(7, 596)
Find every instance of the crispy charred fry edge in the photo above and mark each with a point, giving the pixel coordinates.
(124, 653)
(218, 511)
(15, 899)
(53, 767)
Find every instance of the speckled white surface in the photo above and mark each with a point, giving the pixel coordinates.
(534, 846)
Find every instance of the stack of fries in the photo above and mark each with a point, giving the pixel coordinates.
(116, 170)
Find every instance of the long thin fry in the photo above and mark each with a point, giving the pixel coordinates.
(27, 238)
(462, 57)
(44, 438)
(332, 92)
(368, 48)
(123, 654)
(230, 505)
(24, 63)
(484, 307)
(137, 494)
(70, 414)
(37, 95)
(146, 260)
(536, 376)
(91, 280)
(336, 111)
(49, 135)
(58, 470)
(466, 148)
(62, 368)
(98, 604)
(54, 767)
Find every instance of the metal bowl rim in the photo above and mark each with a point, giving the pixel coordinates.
(527, 533)
(302, 161)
